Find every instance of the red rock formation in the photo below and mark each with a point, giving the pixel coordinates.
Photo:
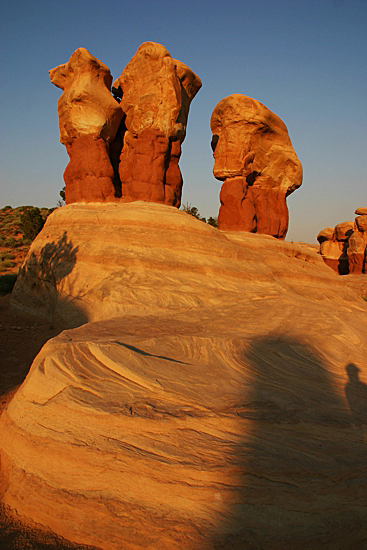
(106, 161)
(344, 248)
(156, 92)
(255, 158)
(89, 118)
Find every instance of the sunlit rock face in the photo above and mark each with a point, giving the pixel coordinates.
(215, 396)
(344, 248)
(156, 92)
(128, 150)
(89, 118)
(255, 158)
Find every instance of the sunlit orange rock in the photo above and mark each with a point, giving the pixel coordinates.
(344, 248)
(255, 158)
(214, 396)
(89, 118)
(156, 92)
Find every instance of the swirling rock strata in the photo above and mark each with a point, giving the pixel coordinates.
(214, 402)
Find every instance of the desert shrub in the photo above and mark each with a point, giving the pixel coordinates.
(212, 221)
(6, 208)
(8, 256)
(6, 283)
(10, 242)
(8, 263)
(31, 223)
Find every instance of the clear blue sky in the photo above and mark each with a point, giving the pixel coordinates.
(305, 60)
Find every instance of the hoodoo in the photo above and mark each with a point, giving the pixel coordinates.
(255, 159)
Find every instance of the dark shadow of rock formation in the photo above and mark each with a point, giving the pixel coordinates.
(299, 471)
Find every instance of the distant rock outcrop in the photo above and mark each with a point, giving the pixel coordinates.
(344, 247)
(255, 158)
(129, 150)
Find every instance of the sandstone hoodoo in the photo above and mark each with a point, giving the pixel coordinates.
(156, 92)
(89, 119)
(344, 248)
(255, 158)
(124, 146)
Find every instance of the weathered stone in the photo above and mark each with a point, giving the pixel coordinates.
(156, 92)
(108, 162)
(204, 408)
(253, 154)
(344, 248)
(361, 222)
(357, 253)
(344, 230)
(362, 211)
(326, 234)
(89, 118)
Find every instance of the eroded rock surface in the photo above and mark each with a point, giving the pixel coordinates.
(129, 150)
(156, 92)
(344, 248)
(255, 158)
(214, 402)
(89, 118)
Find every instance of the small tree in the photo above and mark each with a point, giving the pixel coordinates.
(31, 222)
(212, 221)
(193, 211)
(63, 198)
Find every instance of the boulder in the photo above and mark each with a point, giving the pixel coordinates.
(344, 248)
(156, 92)
(89, 119)
(344, 230)
(200, 404)
(253, 155)
(362, 211)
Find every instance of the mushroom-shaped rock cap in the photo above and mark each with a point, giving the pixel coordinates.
(86, 106)
(344, 230)
(361, 211)
(250, 140)
(326, 234)
(155, 89)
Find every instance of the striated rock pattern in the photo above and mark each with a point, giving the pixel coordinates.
(255, 158)
(156, 92)
(344, 248)
(204, 407)
(128, 150)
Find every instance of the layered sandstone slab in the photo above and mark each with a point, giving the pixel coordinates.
(215, 402)
(255, 158)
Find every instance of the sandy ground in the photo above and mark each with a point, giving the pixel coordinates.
(21, 338)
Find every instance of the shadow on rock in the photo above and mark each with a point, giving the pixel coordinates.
(299, 469)
(37, 288)
(356, 394)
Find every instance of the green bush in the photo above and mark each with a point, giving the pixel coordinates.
(31, 223)
(6, 283)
